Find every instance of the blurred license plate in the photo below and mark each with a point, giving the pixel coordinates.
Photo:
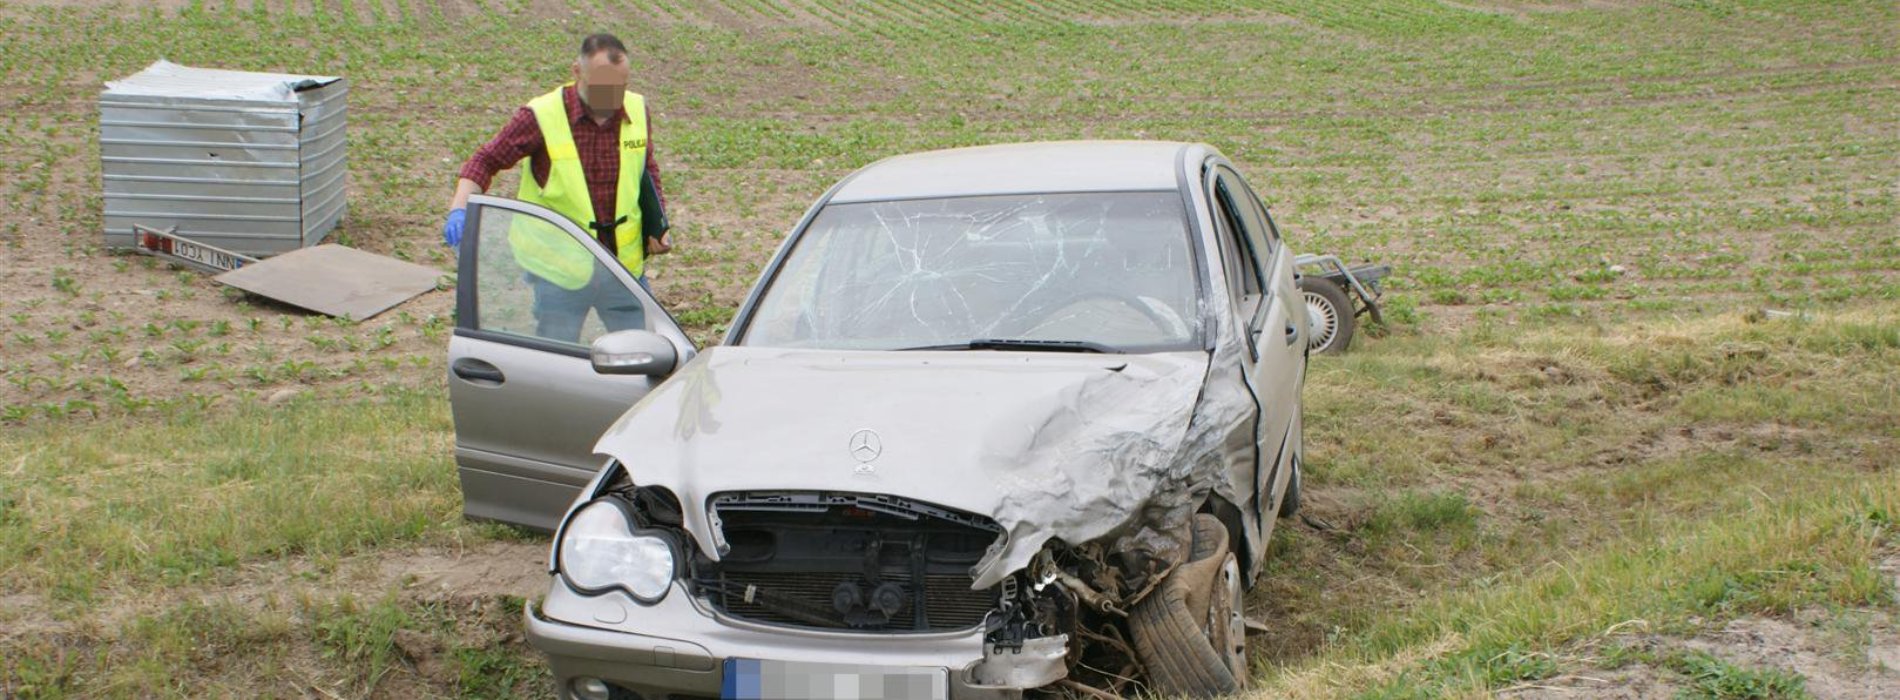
(754, 679)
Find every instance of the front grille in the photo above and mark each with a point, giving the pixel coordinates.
(948, 601)
(790, 553)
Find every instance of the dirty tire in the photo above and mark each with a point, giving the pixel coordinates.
(1290, 502)
(1180, 657)
(1331, 330)
(1209, 537)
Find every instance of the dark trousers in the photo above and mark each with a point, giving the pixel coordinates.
(559, 313)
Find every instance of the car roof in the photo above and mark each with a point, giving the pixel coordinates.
(1018, 168)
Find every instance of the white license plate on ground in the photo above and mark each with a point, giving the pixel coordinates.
(756, 679)
(177, 249)
(202, 254)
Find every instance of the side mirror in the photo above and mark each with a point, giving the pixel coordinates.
(634, 352)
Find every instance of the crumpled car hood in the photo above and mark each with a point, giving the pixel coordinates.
(1071, 446)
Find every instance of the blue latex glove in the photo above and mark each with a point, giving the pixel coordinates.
(452, 230)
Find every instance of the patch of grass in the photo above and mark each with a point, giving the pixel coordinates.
(1427, 512)
(197, 637)
(1477, 667)
(1771, 589)
(64, 283)
(1711, 678)
(37, 676)
(362, 634)
(477, 658)
(184, 498)
(705, 317)
(495, 671)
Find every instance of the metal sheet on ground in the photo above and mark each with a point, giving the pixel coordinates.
(334, 280)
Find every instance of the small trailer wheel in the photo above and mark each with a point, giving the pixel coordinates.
(1330, 314)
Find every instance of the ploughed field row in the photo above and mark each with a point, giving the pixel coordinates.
(894, 18)
(1515, 162)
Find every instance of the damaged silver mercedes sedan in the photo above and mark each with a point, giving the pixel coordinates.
(994, 422)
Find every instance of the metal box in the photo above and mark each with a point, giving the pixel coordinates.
(249, 162)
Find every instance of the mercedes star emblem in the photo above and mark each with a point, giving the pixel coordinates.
(866, 445)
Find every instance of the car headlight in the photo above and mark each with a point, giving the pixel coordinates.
(600, 551)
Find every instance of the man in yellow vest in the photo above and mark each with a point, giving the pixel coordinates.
(591, 160)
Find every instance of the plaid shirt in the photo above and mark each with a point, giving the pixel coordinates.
(599, 148)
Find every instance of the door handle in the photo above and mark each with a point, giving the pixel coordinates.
(1292, 333)
(476, 371)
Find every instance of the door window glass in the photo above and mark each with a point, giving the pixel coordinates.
(1238, 221)
(1265, 237)
(1226, 224)
(535, 280)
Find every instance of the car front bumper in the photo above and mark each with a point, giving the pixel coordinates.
(677, 650)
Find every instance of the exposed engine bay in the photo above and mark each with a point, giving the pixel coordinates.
(884, 565)
(846, 561)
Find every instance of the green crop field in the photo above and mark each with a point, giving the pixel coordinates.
(1638, 396)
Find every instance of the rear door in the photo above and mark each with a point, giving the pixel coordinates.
(528, 406)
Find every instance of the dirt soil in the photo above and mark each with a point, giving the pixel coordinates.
(1833, 669)
(1841, 655)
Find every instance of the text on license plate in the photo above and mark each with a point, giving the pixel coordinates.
(194, 252)
(185, 250)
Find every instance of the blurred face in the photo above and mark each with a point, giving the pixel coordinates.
(601, 82)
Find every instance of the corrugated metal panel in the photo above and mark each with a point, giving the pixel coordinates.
(324, 157)
(252, 162)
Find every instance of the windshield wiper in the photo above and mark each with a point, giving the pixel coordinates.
(1025, 345)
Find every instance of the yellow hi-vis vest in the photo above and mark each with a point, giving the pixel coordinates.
(549, 253)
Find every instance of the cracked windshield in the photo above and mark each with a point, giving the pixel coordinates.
(1110, 269)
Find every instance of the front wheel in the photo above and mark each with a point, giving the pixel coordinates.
(1191, 633)
(1329, 315)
